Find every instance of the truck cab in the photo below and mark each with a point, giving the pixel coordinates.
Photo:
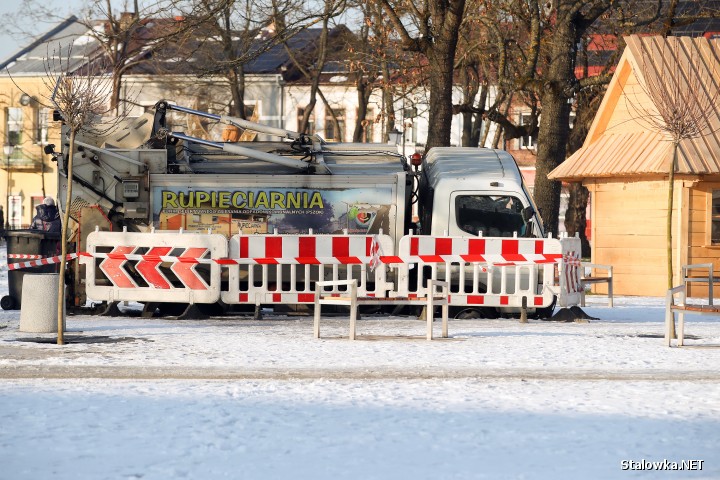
(475, 192)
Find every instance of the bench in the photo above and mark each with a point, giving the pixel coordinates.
(683, 307)
(589, 280)
(351, 299)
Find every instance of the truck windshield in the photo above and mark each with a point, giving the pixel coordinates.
(491, 215)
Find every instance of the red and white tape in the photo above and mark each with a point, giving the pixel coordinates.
(24, 256)
(40, 262)
(495, 260)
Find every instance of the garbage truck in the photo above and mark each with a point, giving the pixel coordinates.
(142, 176)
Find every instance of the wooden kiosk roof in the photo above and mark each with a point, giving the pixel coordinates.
(621, 144)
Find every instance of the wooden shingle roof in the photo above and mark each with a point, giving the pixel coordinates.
(620, 143)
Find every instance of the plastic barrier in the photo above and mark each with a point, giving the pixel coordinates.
(484, 272)
(282, 269)
(570, 272)
(266, 269)
(154, 267)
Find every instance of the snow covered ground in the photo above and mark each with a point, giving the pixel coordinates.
(240, 398)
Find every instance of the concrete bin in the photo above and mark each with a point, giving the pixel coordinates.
(38, 312)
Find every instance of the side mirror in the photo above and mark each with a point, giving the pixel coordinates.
(527, 213)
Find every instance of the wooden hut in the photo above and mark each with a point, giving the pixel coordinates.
(625, 163)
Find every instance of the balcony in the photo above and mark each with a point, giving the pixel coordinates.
(20, 162)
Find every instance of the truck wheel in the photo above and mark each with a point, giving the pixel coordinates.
(8, 303)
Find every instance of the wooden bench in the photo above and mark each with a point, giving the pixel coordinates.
(683, 307)
(592, 280)
(351, 299)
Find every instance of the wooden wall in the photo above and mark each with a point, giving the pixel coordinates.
(700, 248)
(628, 231)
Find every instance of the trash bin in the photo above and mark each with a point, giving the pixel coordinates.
(27, 242)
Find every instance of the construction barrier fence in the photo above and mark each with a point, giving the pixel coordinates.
(172, 266)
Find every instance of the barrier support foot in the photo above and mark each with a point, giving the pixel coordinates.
(572, 314)
(258, 312)
(149, 310)
(192, 312)
(111, 310)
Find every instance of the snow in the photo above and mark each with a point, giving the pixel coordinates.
(241, 398)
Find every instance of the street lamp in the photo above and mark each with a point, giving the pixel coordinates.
(394, 137)
(8, 150)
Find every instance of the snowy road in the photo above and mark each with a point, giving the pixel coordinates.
(133, 398)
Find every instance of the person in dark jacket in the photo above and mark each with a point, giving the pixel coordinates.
(47, 217)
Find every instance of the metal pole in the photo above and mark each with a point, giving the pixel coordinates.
(8, 153)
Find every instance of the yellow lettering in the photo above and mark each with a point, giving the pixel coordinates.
(236, 200)
(293, 199)
(224, 201)
(186, 200)
(169, 199)
(277, 200)
(201, 197)
(316, 201)
(262, 200)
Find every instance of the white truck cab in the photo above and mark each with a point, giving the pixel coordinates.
(475, 191)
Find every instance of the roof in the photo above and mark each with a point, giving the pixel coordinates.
(620, 143)
(57, 43)
(468, 166)
(189, 57)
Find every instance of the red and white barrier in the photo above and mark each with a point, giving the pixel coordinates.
(153, 267)
(487, 272)
(570, 273)
(265, 269)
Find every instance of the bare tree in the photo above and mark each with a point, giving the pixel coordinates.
(434, 33)
(80, 100)
(675, 79)
(310, 63)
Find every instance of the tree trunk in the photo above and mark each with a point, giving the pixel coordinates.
(63, 242)
(554, 125)
(670, 207)
(115, 97)
(364, 90)
(388, 100)
(470, 90)
(441, 62)
(671, 192)
(575, 218)
(237, 88)
(587, 103)
(478, 117)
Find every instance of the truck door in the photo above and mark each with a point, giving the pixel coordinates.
(494, 214)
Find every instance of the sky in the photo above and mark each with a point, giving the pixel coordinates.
(11, 43)
(233, 397)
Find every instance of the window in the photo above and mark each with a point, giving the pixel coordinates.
(527, 141)
(330, 131)
(311, 121)
(715, 218)
(249, 110)
(42, 121)
(14, 117)
(367, 126)
(491, 215)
